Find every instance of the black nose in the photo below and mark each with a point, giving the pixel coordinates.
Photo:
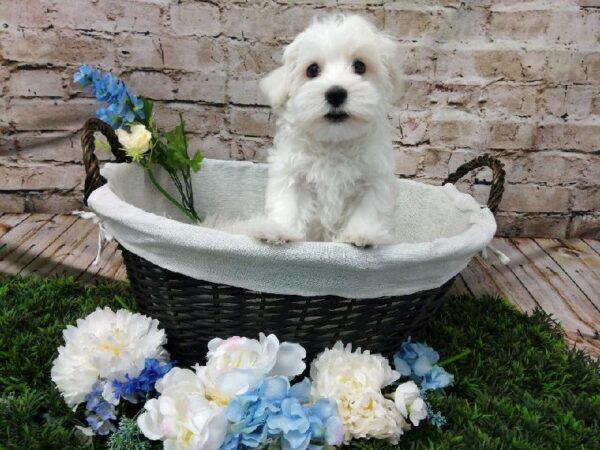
(336, 96)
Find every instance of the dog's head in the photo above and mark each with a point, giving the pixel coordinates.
(337, 78)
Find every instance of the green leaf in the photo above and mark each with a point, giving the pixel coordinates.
(197, 161)
(176, 157)
(148, 113)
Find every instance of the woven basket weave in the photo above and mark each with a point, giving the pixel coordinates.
(193, 311)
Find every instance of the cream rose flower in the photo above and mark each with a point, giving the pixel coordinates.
(105, 344)
(136, 142)
(238, 363)
(182, 417)
(409, 403)
(354, 380)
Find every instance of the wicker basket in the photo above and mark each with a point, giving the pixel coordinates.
(194, 311)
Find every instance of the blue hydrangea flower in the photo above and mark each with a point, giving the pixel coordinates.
(247, 415)
(100, 413)
(326, 426)
(137, 388)
(123, 107)
(292, 423)
(415, 358)
(85, 75)
(436, 378)
(277, 412)
(301, 390)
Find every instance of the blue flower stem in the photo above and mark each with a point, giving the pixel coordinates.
(455, 357)
(168, 196)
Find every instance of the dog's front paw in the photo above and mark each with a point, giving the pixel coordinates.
(357, 240)
(365, 239)
(278, 237)
(276, 240)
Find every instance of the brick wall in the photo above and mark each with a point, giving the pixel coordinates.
(518, 79)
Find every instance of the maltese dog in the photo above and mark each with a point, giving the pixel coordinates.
(331, 172)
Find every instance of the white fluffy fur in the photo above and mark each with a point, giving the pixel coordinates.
(331, 181)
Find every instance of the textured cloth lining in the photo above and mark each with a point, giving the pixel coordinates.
(439, 229)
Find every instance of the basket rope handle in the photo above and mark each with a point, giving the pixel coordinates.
(93, 179)
(498, 175)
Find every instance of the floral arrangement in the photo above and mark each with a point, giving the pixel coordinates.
(132, 118)
(114, 367)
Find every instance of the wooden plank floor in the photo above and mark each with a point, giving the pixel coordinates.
(562, 277)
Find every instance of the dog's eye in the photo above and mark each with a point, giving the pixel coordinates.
(313, 71)
(359, 67)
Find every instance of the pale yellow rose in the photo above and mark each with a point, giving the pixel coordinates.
(135, 142)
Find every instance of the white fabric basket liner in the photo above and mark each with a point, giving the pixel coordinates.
(439, 229)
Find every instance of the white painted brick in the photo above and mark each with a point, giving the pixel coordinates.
(435, 163)
(176, 86)
(39, 176)
(105, 15)
(411, 126)
(514, 134)
(60, 146)
(448, 128)
(560, 135)
(520, 25)
(587, 199)
(257, 58)
(36, 83)
(25, 13)
(251, 121)
(42, 114)
(535, 198)
(195, 18)
(212, 146)
(199, 119)
(57, 47)
(547, 167)
(193, 54)
(244, 90)
(408, 160)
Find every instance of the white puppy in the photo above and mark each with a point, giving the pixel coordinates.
(331, 172)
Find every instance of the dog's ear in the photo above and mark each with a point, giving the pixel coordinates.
(276, 85)
(391, 61)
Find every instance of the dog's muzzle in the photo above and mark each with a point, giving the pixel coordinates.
(337, 116)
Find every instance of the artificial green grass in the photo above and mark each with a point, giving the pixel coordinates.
(519, 388)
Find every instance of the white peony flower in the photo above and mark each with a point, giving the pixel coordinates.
(339, 369)
(238, 363)
(182, 417)
(105, 344)
(409, 403)
(354, 380)
(136, 142)
(368, 414)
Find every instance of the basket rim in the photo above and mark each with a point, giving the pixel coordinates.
(305, 269)
(374, 258)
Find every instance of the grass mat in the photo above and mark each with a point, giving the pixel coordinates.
(519, 388)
